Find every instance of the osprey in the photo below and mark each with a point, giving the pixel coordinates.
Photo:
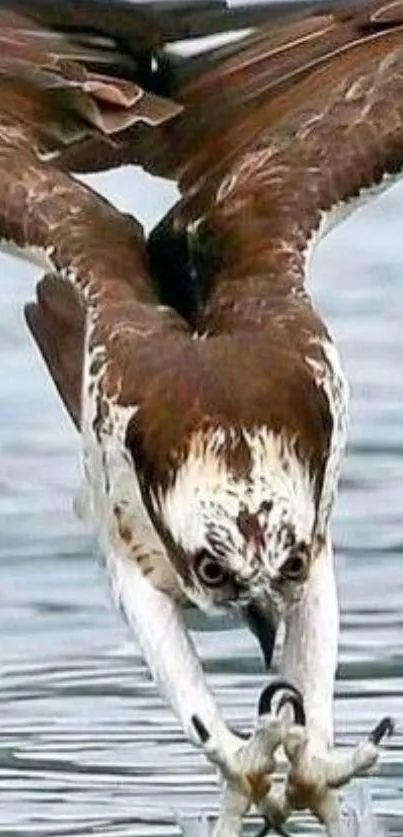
(207, 391)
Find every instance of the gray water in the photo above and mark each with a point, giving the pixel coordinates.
(86, 745)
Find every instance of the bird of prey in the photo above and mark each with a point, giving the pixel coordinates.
(208, 394)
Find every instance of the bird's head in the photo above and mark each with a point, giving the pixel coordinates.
(239, 521)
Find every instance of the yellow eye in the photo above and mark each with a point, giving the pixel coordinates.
(208, 570)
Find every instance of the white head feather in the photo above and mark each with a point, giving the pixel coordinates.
(202, 508)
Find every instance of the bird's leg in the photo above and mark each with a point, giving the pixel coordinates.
(309, 656)
(309, 662)
(170, 654)
(244, 764)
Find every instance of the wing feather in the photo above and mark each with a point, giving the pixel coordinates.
(270, 136)
(109, 68)
(258, 186)
(57, 323)
(338, 135)
(96, 250)
(58, 91)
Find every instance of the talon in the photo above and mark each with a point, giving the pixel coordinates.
(297, 704)
(269, 826)
(201, 730)
(292, 696)
(385, 727)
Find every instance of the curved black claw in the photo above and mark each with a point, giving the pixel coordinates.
(297, 704)
(292, 696)
(268, 826)
(385, 728)
(201, 730)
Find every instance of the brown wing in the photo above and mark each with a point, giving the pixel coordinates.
(65, 93)
(99, 257)
(90, 75)
(256, 191)
(54, 95)
(72, 91)
(267, 161)
(338, 136)
(111, 69)
(57, 323)
(320, 134)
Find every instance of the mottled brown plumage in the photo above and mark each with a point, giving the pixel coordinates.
(57, 322)
(263, 138)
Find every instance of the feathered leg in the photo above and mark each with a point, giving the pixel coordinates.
(309, 661)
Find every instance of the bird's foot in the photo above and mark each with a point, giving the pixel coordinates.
(317, 772)
(246, 765)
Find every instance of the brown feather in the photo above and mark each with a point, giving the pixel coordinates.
(303, 118)
(57, 323)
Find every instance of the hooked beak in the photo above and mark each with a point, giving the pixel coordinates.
(263, 622)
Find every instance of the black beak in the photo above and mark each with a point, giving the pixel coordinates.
(263, 623)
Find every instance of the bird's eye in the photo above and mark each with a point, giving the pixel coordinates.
(208, 570)
(294, 568)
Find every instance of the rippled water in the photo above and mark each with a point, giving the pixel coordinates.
(86, 745)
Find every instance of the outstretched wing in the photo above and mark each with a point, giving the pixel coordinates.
(305, 118)
(97, 254)
(86, 89)
(266, 138)
(264, 186)
(98, 69)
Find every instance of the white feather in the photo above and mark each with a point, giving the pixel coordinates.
(111, 481)
(206, 495)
